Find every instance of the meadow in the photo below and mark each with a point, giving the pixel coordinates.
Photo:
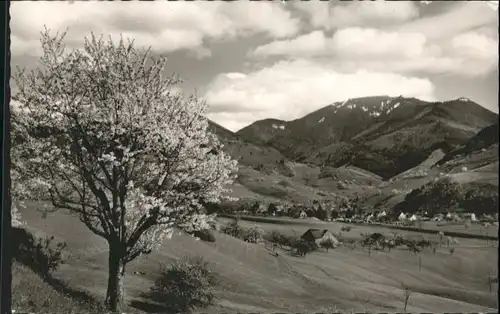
(253, 279)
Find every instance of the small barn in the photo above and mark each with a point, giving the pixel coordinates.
(302, 215)
(318, 235)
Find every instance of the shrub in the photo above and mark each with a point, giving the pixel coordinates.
(346, 228)
(284, 183)
(275, 238)
(233, 229)
(327, 244)
(16, 216)
(185, 285)
(42, 255)
(253, 235)
(303, 247)
(205, 235)
(31, 294)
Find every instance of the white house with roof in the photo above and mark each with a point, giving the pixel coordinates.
(413, 218)
(473, 217)
(382, 214)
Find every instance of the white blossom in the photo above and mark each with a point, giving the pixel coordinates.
(101, 133)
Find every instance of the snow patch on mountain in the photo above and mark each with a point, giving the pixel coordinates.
(321, 120)
(281, 127)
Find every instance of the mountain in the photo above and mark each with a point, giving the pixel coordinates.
(483, 140)
(246, 152)
(265, 174)
(263, 131)
(475, 161)
(381, 134)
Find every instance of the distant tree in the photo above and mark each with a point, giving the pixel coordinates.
(101, 133)
(253, 235)
(233, 229)
(390, 244)
(276, 238)
(327, 244)
(433, 197)
(368, 242)
(480, 198)
(255, 207)
(407, 294)
(303, 247)
(441, 236)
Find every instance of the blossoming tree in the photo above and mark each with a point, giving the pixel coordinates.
(101, 133)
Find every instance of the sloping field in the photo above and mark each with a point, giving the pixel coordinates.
(471, 176)
(251, 279)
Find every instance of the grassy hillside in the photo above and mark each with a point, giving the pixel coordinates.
(252, 279)
(481, 142)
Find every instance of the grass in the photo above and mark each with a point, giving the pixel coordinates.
(30, 293)
(253, 280)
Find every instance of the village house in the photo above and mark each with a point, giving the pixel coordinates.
(402, 217)
(319, 235)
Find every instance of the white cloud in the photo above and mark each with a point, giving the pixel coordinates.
(322, 14)
(350, 49)
(472, 44)
(308, 45)
(369, 42)
(464, 16)
(351, 43)
(166, 26)
(291, 89)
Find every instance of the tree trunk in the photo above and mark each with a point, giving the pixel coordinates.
(116, 272)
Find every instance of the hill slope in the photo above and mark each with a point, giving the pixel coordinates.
(253, 280)
(247, 153)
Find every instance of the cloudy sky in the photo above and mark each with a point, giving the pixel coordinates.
(257, 60)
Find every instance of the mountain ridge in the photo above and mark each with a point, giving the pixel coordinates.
(367, 129)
